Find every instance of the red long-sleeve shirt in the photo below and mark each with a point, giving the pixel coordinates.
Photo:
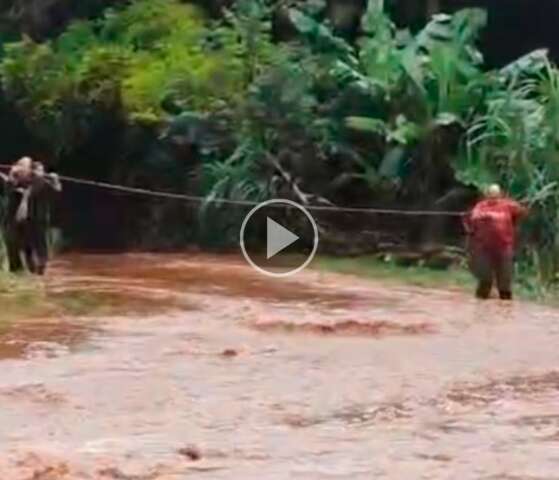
(492, 222)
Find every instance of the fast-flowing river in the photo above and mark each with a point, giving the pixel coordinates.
(195, 366)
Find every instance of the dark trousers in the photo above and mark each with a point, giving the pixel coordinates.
(14, 240)
(489, 267)
(38, 245)
(32, 242)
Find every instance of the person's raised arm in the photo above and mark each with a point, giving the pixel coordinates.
(53, 180)
(467, 220)
(517, 210)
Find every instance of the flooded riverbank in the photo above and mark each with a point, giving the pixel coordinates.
(199, 367)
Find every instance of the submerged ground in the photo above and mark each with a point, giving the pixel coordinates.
(197, 367)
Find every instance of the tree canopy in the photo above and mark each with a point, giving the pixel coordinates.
(392, 118)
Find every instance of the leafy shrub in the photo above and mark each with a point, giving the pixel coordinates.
(129, 61)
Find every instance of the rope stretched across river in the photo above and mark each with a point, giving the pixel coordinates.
(248, 203)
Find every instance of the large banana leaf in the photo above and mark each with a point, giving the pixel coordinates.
(446, 46)
(321, 37)
(531, 63)
(460, 30)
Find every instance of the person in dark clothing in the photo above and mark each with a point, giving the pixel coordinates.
(28, 192)
(42, 188)
(17, 192)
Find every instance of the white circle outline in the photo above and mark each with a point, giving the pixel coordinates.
(284, 202)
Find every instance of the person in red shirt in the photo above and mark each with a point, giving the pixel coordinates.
(491, 228)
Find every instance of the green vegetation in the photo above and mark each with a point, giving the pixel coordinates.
(456, 278)
(25, 297)
(220, 108)
(129, 63)
(387, 270)
(22, 297)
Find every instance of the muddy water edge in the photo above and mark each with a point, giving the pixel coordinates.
(197, 367)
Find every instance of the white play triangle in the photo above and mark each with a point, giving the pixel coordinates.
(278, 238)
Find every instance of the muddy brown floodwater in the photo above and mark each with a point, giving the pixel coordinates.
(200, 368)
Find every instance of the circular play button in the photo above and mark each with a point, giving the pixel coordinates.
(279, 238)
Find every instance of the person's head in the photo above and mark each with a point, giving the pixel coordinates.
(24, 163)
(494, 191)
(38, 168)
(22, 169)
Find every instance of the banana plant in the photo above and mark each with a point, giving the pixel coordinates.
(430, 82)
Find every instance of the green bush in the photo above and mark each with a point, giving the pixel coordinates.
(394, 117)
(129, 61)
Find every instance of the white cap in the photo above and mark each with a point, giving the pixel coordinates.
(25, 162)
(494, 191)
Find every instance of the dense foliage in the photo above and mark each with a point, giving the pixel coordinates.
(393, 118)
(129, 62)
